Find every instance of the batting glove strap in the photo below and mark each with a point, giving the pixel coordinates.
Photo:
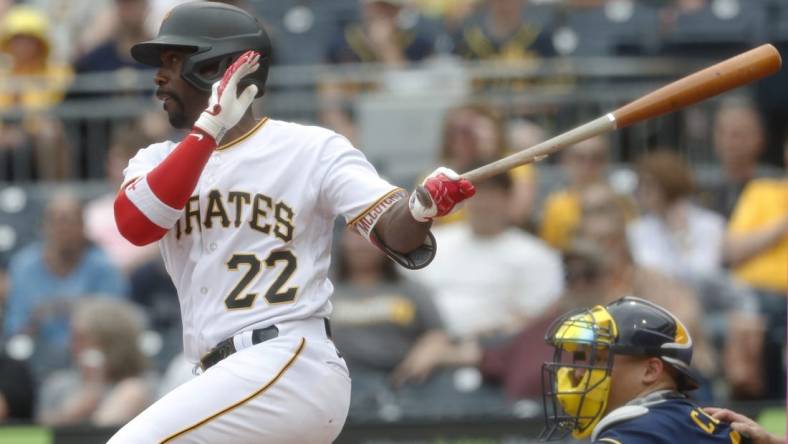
(211, 126)
(439, 195)
(226, 107)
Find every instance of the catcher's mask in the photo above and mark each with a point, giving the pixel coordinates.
(576, 384)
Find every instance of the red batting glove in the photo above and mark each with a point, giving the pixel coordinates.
(439, 194)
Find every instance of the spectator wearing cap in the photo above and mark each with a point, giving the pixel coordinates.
(31, 81)
(32, 141)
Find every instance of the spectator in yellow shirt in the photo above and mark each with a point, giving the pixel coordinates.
(756, 247)
(30, 82)
(583, 164)
(757, 241)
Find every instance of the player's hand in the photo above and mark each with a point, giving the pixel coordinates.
(226, 106)
(439, 194)
(745, 426)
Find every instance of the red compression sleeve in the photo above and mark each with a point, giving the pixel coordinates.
(172, 181)
(133, 225)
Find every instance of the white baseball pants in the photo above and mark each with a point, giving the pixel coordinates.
(291, 389)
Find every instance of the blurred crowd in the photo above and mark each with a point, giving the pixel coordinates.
(91, 324)
(59, 58)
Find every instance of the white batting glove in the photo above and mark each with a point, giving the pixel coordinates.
(438, 195)
(226, 107)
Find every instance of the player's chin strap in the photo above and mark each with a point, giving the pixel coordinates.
(633, 409)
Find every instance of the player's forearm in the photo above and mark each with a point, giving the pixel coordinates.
(148, 207)
(406, 226)
(400, 231)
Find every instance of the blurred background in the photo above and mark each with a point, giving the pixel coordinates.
(689, 210)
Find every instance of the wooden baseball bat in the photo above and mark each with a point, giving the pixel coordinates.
(708, 82)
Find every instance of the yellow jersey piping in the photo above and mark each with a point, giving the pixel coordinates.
(244, 137)
(259, 392)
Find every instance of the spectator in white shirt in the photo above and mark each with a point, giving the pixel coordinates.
(490, 278)
(674, 236)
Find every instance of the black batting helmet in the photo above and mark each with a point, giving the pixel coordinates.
(215, 33)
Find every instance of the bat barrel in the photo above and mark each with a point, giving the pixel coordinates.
(729, 74)
(734, 72)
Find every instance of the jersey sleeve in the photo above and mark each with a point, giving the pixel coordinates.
(145, 160)
(350, 187)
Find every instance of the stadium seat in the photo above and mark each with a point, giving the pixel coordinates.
(606, 31)
(711, 33)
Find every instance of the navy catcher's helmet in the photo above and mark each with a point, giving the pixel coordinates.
(215, 33)
(585, 343)
(646, 329)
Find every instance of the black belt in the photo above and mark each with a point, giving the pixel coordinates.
(227, 347)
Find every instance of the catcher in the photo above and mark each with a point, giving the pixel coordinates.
(620, 375)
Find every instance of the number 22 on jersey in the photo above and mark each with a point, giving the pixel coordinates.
(275, 294)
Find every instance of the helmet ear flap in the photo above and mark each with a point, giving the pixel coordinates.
(203, 73)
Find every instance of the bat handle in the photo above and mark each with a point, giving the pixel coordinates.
(537, 152)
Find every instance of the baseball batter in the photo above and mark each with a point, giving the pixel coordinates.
(243, 210)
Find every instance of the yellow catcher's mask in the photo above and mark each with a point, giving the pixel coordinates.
(576, 383)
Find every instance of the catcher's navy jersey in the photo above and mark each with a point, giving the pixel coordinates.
(668, 420)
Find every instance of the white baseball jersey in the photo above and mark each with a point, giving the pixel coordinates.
(252, 246)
